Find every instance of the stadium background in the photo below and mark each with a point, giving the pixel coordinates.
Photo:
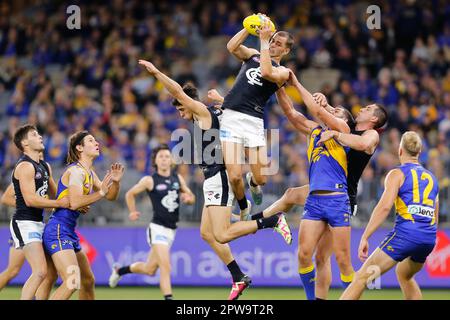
(67, 80)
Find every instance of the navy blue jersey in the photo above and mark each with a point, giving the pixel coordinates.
(208, 148)
(41, 177)
(165, 197)
(250, 91)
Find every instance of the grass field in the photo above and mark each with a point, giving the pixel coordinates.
(221, 293)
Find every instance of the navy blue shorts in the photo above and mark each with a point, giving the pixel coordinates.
(58, 236)
(400, 248)
(333, 209)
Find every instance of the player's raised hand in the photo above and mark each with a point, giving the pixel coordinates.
(106, 182)
(363, 250)
(292, 80)
(215, 96)
(149, 66)
(265, 32)
(325, 136)
(320, 99)
(117, 170)
(133, 216)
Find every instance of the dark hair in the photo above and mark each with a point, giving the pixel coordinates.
(288, 36)
(155, 153)
(349, 117)
(75, 140)
(190, 90)
(21, 134)
(382, 115)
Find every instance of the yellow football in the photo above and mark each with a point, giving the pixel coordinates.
(253, 23)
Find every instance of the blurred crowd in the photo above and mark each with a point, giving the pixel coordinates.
(66, 80)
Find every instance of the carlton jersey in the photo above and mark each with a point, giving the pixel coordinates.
(67, 216)
(208, 149)
(328, 164)
(416, 203)
(41, 177)
(165, 198)
(250, 91)
(357, 162)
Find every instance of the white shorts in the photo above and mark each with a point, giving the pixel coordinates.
(242, 128)
(24, 232)
(217, 190)
(158, 234)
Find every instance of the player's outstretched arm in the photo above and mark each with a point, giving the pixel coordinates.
(277, 75)
(298, 120)
(145, 184)
(25, 174)
(316, 110)
(187, 196)
(366, 142)
(9, 197)
(52, 187)
(196, 107)
(215, 96)
(237, 49)
(392, 184)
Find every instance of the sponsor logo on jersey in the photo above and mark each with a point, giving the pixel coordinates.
(161, 187)
(38, 175)
(421, 211)
(254, 76)
(176, 185)
(256, 59)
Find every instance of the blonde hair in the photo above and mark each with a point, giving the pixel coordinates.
(411, 143)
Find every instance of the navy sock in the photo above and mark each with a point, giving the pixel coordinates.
(124, 270)
(308, 277)
(346, 280)
(235, 271)
(168, 297)
(242, 203)
(269, 222)
(257, 216)
(252, 183)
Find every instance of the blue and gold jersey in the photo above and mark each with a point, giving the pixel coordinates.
(66, 215)
(327, 164)
(416, 203)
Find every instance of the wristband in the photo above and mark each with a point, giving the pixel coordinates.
(264, 45)
(102, 193)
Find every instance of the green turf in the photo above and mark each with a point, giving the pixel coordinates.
(201, 293)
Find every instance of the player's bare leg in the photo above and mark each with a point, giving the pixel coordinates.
(162, 252)
(66, 264)
(259, 163)
(323, 264)
(223, 251)
(15, 262)
(87, 284)
(149, 267)
(34, 253)
(233, 154)
(405, 274)
(310, 232)
(290, 198)
(44, 290)
(379, 261)
(341, 249)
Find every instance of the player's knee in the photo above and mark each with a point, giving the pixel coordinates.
(13, 272)
(235, 178)
(304, 257)
(321, 259)
(149, 270)
(207, 236)
(222, 238)
(41, 274)
(289, 196)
